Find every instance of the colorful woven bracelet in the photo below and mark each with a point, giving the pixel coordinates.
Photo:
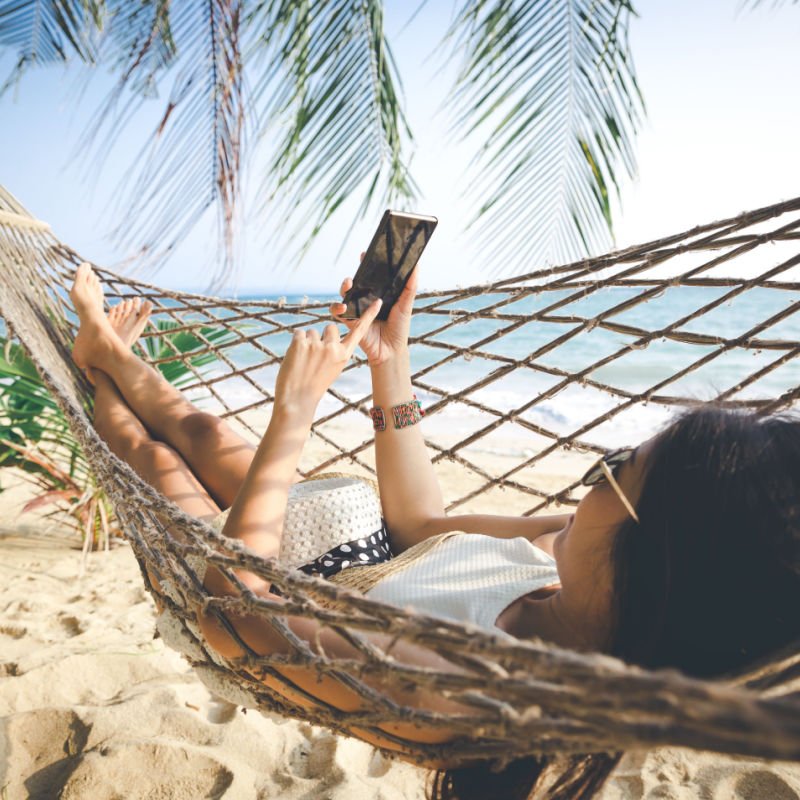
(407, 414)
(378, 418)
(404, 414)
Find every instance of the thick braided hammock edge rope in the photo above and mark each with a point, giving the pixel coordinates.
(526, 696)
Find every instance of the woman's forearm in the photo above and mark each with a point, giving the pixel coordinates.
(410, 492)
(311, 364)
(257, 515)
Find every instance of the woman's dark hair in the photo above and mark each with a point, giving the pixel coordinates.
(707, 582)
(710, 579)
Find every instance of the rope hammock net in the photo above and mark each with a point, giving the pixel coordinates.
(718, 305)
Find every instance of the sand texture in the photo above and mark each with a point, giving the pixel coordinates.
(92, 706)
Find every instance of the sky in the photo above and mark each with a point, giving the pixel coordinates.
(720, 137)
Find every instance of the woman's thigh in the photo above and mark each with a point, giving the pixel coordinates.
(165, 470)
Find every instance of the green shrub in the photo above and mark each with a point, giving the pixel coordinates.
(36, 439)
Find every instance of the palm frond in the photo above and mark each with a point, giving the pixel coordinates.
(47, 31)
(772, 3)
(192, 161)
(549, 89)
(172, 340)
(139, 44)
(332, 86)
(36, 439)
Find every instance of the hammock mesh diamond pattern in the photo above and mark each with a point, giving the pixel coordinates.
(622, 340)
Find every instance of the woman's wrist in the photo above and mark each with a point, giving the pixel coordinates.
(399, 360)
(394, 372)
(391, 386)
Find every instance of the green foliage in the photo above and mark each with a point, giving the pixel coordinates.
(553, 81)
(36, 439)
(330, 72)
(547, 92)
(173, 340)
(550, 90)
(49, 32)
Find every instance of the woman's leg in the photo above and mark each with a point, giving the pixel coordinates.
(156, 462)
(217, 455)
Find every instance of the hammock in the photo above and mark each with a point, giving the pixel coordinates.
(526, 696)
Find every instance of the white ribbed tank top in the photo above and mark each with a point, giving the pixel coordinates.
(469, 577)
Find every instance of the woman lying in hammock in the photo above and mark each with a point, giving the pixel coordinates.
(685, 553)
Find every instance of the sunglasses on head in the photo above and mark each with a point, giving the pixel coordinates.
(605, 469)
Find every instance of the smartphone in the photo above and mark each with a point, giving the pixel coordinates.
(388, 263)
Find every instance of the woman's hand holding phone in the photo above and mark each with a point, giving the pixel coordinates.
(384, 339)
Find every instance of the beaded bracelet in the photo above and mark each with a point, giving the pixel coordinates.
(378, 418)
(404, 414)
(407, 414)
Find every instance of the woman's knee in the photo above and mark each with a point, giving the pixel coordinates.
(199, 427)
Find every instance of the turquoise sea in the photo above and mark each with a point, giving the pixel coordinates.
(533, 389)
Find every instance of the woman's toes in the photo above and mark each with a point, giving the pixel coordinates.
(87, 293)
(129, 318)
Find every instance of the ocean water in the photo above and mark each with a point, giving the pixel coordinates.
(536, 393)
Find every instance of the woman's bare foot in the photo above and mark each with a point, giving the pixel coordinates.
(128, 319)
(98, 339)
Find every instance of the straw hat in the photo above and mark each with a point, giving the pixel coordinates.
(327, 511)
(322, 513)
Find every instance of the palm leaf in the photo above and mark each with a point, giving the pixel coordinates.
(330, 82)
(139, 43)
(15, 363)
(36, 438)
(48, 31)
(184, 342)
(549, 89)
(192, 160)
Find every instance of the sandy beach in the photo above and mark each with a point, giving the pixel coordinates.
(93, 706)
(615, 197)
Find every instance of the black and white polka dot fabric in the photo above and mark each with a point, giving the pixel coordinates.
(372, 549)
